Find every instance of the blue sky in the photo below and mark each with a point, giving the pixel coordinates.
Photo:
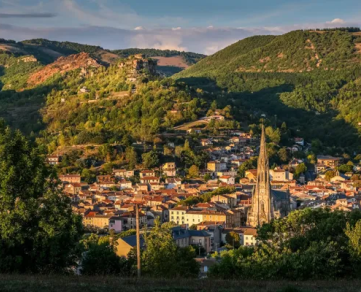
(203, 26)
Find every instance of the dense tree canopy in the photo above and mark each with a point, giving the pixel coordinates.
(38, 231)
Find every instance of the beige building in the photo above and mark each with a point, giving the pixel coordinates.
(96, 220)
(169, 169)
(216, 166)
(177, 215)
(280, 175)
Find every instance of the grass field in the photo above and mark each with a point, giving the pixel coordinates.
(107, 284)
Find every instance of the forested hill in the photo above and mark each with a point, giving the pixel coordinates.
(297, 51)
(309, 79)
(46, 52)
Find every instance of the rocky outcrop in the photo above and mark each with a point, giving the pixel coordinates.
(62, 65)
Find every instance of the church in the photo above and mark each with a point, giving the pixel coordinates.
(267, 204)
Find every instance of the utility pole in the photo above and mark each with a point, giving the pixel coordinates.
(138, 239)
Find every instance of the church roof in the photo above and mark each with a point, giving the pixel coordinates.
(279, 195)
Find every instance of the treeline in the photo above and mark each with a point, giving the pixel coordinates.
(65, 48)
(348, 29)
(308, 244)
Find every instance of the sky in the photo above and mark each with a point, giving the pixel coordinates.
(202, 26)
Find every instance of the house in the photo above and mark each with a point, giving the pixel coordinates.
(228, 179)
(149, 179)
(280, 175)
(205, 264)
(126, 244)
(216, 166)
(115, 223)
(200, 238)
(249, 237)
(194, 131)
(251, 174)
(300, 141)
(147, 173)
(70, 178)
(172, 183)
(206, 142)
(235, 140)
(105, 179)
(123, 173)
(177, 214)
(72, 188)
(185, 237)
(125, 184)
(329, 161)
(129, 220)
(53, 159)
(94, 219)
(230, 201)
(169, 169)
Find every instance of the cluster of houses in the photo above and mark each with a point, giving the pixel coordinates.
(108, 203)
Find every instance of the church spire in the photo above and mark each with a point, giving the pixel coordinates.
(262, 210)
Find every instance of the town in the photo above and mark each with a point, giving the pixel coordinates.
(216, 207)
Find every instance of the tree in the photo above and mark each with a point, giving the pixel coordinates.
(301, 168)
(162, 258)
(207, 177)
(249, 164)
(307, 244)
(187, 267)
(150, 159)
(283, 154)
(346, 167)
(100, 259)
(38, 231)
(159, 256)
(193, 171)
(354, 236)
(131, 156)
(233, 239)
(193, 227)
(329, 174)
(273, 135)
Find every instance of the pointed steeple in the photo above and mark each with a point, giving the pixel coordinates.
(262, 209)
(263, 163)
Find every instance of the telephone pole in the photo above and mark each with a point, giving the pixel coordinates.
(138, 239)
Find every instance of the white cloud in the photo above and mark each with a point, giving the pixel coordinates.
(206, 40)
(336, 21)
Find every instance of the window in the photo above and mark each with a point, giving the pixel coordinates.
(200, 241)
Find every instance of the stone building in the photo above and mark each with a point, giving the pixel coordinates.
(267, 204)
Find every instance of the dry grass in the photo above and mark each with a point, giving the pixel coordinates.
(106, 284)
(176, 61)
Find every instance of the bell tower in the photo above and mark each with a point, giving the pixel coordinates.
(262, 209)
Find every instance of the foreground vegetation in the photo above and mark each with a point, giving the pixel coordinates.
(13, 283)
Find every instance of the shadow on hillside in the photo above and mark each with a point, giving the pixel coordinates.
(21, 110)
(307, 124)
(2, 72)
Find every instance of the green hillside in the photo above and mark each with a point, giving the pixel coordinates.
(46, 52)
(308, 79)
